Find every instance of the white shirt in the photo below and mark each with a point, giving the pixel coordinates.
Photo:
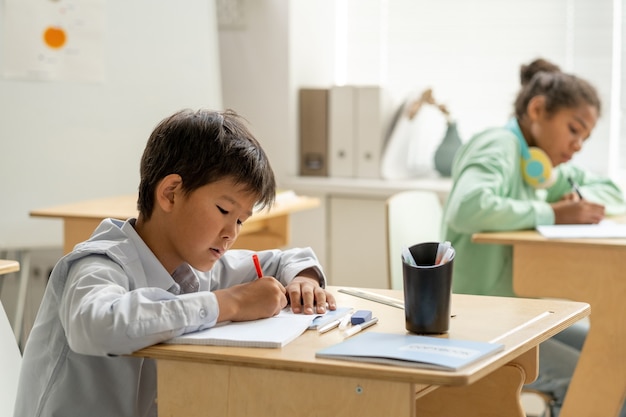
(110, 297)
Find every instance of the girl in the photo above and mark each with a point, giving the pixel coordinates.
(518, 177)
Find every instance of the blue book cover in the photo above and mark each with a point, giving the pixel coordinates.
(410, 350)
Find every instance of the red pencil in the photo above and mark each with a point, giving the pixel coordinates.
(257, 265)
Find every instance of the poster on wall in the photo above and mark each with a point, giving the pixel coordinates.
(53, 40)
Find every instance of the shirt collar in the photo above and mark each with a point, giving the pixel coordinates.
(156, 274)
(513, 126)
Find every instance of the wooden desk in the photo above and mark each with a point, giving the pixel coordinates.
(241, 382)
(6, 267)
(587, 270)
(264, 230)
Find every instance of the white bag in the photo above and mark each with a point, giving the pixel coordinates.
(410, 148)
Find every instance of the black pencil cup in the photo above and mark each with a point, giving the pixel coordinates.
(427, 291)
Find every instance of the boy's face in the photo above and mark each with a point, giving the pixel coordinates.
(204, 224)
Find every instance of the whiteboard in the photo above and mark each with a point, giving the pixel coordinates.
(62, 142)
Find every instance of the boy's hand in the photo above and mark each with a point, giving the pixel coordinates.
(261, 298)
(306, 295)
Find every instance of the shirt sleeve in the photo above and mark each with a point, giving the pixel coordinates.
(102, 315)
(593, 187)
(237, 267)
(488, 194)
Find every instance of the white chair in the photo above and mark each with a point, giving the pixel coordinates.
(10, 362)
(412, 217)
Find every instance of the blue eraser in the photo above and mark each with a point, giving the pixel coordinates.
(360, 317)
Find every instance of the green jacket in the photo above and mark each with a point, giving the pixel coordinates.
(489, 194)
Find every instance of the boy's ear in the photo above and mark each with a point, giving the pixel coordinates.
(168, 190)
(536, 107)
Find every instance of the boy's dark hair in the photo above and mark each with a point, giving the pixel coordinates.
(202, 147)
(543, 78)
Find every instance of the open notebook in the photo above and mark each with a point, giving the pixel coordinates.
(604, 229)
(273, 332)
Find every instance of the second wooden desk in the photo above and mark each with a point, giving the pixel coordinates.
(263, 230)
(587, 270)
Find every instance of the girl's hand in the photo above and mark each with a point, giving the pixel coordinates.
(577, 212)
(570, 197)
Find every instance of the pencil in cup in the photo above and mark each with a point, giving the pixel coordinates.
(445, 253)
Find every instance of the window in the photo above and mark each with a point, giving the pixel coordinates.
(470, 54)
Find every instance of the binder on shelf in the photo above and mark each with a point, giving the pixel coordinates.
(313, 126)
(371, 114)
(358, 117)
(341, 132)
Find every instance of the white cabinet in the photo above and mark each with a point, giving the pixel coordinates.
(357, 244)
(348, 230)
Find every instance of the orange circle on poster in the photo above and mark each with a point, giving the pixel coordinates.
(54, 37)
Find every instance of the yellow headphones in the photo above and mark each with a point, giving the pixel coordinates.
(536, 165)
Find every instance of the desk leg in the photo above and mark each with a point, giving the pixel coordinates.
(76, 231)
(495, 395)
(18, 321)
(594, 275)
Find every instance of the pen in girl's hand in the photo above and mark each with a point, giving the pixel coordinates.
(257, 265)
(575, 187)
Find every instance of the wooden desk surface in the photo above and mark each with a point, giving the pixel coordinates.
(520, 324)
(197, 380)
(6, 266)
(534, 237)
(125, 206)
(266, 229)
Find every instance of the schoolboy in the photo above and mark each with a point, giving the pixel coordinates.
(168, 272)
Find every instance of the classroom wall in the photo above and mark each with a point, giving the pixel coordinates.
(266, 58)
(64, 141)
(253, 60)
(68, 141)
(468, 52)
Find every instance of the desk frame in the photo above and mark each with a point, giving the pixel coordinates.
(236, 382)
(586, 270)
